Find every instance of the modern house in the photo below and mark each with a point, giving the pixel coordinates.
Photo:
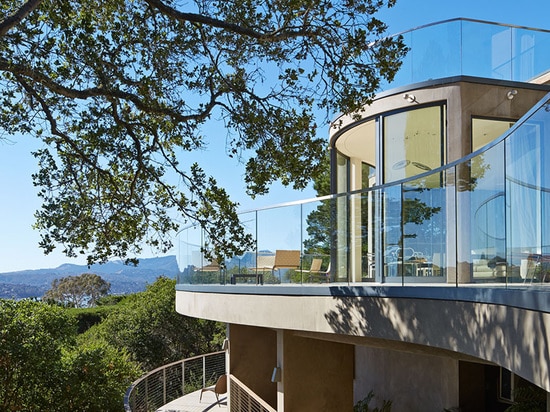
(425, 276)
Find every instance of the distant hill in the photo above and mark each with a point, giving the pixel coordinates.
(123, 278)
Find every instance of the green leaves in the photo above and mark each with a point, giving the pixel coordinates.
(42, 368)
(147, 326)
(78, 291)
(117, 89)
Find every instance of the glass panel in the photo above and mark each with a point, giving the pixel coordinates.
(279, 229)
(368, 175)
(368, 266)
(317, 242)
(342, 239)
(239, 265)
(484, 131)
(486, 51)
(487, 214)
(424, 228)
(531, 57)
(528, 189)
(434, 52)
(196, 266)
(190, 256)
(404, 74)
(392, 235)
(406, 137)
(342, 173)
(342, 223)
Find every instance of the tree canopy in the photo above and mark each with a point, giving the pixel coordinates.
(43, 367)
(147, 326)
(78, 291)
(118, 89)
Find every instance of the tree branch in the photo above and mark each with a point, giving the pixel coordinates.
(278, 35)
(18, 16)
(147, 107)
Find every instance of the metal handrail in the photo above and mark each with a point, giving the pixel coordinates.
(168, 382)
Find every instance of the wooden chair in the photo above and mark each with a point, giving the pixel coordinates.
(219, 388)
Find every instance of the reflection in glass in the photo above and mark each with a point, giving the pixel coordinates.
(484, 131)
(487, 214)
(407, 135)
(487, 50)
(392, 235)
(424, 226)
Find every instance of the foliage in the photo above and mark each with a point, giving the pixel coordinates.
(319, 220)
(44, 368)
(96, 378)
(77, 291)
(528, 399)
(147, 325)
(88, 317)
(32, 336)
(119, 90)
(363, 405)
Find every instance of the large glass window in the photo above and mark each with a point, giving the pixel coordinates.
(484, 131)
(342, 222)
(414, 142)
(368, 175)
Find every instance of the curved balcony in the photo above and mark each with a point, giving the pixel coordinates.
(466, 47)
(170, 382)
(482, 220)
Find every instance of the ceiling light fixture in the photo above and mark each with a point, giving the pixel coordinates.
(421, 166)
(411, 98)
(510, 95)
(401, 164)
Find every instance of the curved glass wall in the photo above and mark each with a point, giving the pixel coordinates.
(484, 219)
(465, 47)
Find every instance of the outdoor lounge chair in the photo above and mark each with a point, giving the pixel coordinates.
(316, 274)
(212, 266)
(219, 388)
(286, 259)
(283, 259)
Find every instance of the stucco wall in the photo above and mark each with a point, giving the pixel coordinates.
(412, 382)
(514, 338)
(317, 375)
(252, 357)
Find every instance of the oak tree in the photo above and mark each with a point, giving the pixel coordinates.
(117, 90)
(78, 291)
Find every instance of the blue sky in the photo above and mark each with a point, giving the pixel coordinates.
(19, 242)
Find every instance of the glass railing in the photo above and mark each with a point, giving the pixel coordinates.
(285, 246)
(473, 48)
(484, 219)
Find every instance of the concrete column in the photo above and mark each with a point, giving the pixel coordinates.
(281, 366)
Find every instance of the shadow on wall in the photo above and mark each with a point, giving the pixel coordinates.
(517, 339)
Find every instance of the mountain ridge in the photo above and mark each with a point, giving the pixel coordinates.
(123, 278)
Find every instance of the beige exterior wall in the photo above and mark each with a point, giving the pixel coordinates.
(413, 382)
(317, 375)
(511, 337)
(464, 99)
(252, 357)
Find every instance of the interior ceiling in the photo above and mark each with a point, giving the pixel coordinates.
(359, 142)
